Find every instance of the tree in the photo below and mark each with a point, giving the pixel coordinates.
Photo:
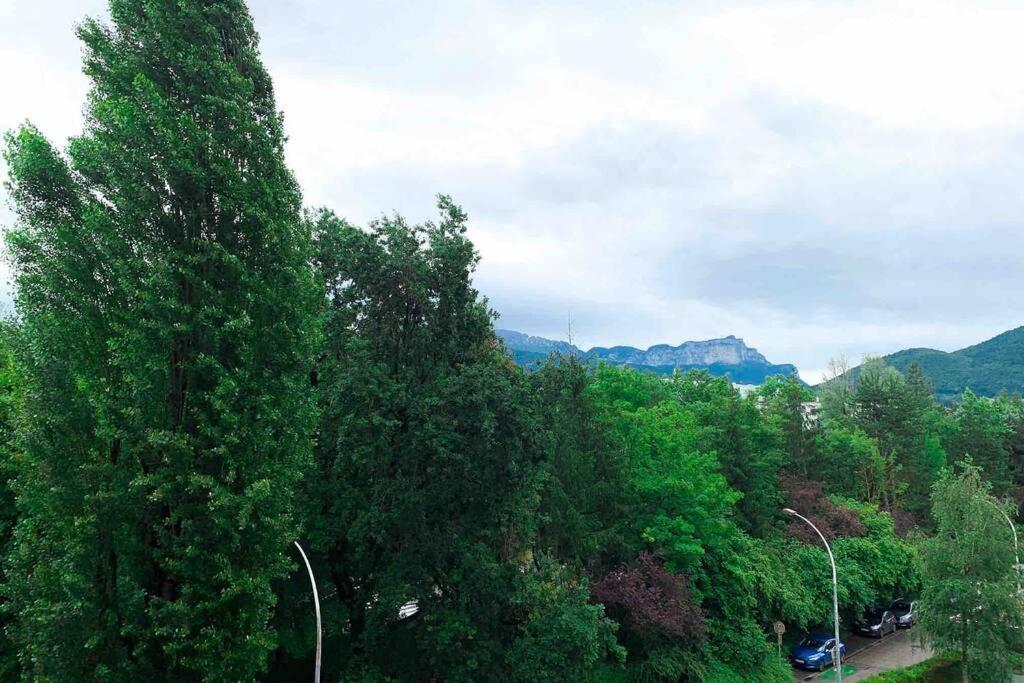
(10, 400)
(981, 430)
(855, 467)
(750, 452)
(893, 411)
(1013, 409)
(836, 390)
(583, 509)
(920, 391)
(682, 508)
(430, 465)
(564, 635)
(658, 615)
(969, 601)
(782, 399)
(168, 321)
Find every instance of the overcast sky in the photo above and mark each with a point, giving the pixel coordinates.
(817, 178)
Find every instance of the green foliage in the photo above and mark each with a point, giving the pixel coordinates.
(584, 502)
(969, 603)
(680, 501)
(791, 578)
(782, 398)
(771, 669)
(166, 306)
(877, 567)
(748, 448)
(856, 468)
(682, 507)
(430, 467)
(673, 437)
(981, 431)
(941, 668)
(564, 636)
(10, 400)
(887, 427)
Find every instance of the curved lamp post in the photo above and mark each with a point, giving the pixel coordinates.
(316, 602)
(1013, 528)
(837, 659)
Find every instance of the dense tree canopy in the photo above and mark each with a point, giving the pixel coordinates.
(430, 465)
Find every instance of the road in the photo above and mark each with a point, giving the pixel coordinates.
(869, 656)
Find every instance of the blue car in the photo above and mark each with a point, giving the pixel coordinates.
(815, 652)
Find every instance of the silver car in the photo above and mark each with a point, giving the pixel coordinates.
(905, 612)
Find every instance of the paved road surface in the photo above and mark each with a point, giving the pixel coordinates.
(870, 656)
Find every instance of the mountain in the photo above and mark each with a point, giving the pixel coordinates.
(729, 350)
(523, 342)
(724, 357)
(986, 368)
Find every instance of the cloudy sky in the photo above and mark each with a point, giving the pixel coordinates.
(818, 178)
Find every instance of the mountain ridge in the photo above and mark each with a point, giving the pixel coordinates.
(724, 356)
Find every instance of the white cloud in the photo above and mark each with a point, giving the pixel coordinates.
(819, 178)
(910, 64)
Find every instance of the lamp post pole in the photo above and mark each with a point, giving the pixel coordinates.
(1016, 551)
(837, 658)
(316, 602)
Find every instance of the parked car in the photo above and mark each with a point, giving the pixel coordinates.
(815, 652)
(905, 611)
(876, 623)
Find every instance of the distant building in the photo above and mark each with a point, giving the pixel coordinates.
(745, 389)
(810, 410)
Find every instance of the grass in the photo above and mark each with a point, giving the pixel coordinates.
(830, 675)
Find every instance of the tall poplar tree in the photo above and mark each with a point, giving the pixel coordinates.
(167, 306)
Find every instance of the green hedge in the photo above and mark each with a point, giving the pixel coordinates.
(939, 669)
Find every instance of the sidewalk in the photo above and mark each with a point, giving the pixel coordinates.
(873, 657)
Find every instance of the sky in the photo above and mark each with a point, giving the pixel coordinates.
(821, 179)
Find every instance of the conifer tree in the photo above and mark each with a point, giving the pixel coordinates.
(167, 307)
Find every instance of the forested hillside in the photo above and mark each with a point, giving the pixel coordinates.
(987, 368)
(201, 373)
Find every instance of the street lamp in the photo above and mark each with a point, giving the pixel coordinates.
(316, 602)
(837, 658)
(1013, 528)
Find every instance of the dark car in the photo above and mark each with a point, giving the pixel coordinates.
(905, 612)
(815, 652)
(876, 623)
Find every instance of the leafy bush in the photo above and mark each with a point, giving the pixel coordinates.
(938, 669)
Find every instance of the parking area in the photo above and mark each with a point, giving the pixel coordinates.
(869, 656)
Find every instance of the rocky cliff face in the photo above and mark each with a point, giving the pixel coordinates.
(727, 351)
(728, 356)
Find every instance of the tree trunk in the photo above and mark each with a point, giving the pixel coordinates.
(964, 677)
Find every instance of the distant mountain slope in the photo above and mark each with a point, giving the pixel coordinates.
(724, 357)
(523, 342)
(730, 350)
(986, 368)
